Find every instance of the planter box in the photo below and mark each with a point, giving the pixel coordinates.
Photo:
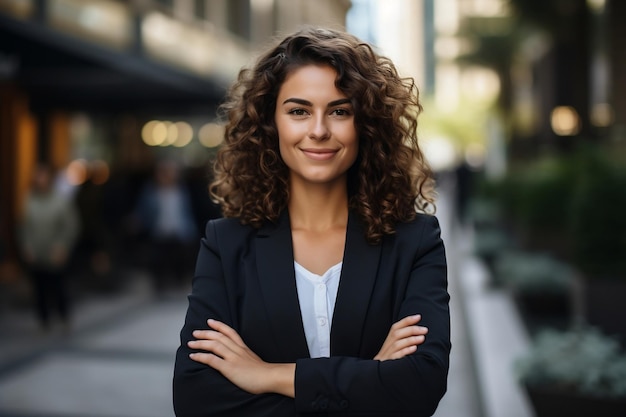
(539, 311)
(544, 304)
(605, 306)
(554, 403)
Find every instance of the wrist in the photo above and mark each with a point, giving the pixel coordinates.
(281, 378)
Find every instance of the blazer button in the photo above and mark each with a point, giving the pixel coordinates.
(315, 406)
(343, 404)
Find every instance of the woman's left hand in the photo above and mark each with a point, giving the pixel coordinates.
(403, 339)
(223, 349)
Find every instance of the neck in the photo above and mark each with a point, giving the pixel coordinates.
(318, 207)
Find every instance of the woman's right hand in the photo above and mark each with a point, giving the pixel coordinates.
(403, 338)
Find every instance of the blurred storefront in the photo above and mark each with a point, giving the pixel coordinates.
(101, 89)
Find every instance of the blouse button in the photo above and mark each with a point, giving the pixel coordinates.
(322, 321)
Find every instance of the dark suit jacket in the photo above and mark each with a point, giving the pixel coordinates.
(245, 277)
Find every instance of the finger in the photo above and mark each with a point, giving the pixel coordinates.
(210, 346)
(230, 348)
(403, 349)
(212, 336)
(407, 321)
(414, 330)
(407, 342)
(405, 352)
(209, 359)
(234, 341)
(226, 339)
(205, 334)
(226, 330)
(408, 332)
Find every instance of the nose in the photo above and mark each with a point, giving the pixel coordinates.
(319, 128)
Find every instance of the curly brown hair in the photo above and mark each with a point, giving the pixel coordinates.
(390, 180)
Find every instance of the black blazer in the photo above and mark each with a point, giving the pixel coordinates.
(245, 277)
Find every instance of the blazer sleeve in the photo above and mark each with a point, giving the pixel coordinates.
(411, 386)
(199, 390)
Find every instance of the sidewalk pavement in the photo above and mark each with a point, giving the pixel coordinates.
(462, 398)
(494, 331)
(118, 360)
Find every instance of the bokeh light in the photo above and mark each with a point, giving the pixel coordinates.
(167, 133)
(76, 172)
(184, 134)
(211, 135)
(565, 121)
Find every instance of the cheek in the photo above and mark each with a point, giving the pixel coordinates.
(289, 135)
(286, 131)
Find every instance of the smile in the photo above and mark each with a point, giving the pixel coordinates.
(319, 154)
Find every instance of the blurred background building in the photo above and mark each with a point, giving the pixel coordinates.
(101, 89)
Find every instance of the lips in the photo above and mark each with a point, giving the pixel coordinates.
(320, 154)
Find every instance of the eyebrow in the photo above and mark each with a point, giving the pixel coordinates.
(308, 103)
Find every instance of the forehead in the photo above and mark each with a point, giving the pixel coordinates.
(311, 80)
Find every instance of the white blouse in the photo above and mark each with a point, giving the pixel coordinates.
(317, 295)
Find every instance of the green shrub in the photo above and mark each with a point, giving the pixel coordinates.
(572, 205)
(530, 273)
(584, 361)
(598, 218)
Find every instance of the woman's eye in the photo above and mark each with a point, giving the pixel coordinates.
(298, 112)
(341, 112)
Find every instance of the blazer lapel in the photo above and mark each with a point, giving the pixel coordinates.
(277, 280)
(358, 276)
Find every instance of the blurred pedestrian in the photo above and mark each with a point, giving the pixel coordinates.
(324, 289)
(48, 232)
(165, 217)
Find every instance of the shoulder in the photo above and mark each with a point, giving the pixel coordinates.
(419, 234)
(226, 226)
(226, 236)
(421, 224)
(417, 242)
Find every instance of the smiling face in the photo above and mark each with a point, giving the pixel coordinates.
(315, 122)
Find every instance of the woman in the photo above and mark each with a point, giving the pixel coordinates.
(322, 291)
